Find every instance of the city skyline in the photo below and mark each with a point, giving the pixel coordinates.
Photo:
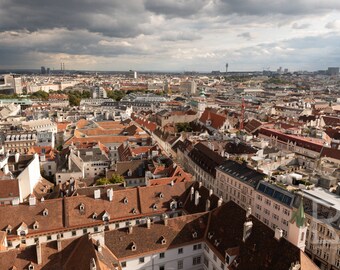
(169, 35)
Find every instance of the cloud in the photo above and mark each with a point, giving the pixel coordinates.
(300, 26)
(245, 35)
(265, 7)
(333, 24)
(175, 8)
(180, 36)
(110, 18)
(168, 34)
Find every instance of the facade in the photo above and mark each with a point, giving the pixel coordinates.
(19, 141)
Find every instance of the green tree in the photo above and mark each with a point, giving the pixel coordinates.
(116, 95)
(114, 179)
(183, 127)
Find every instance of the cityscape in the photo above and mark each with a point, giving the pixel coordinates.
(165, 135)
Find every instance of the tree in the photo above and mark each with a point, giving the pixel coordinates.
(183, 127)
(115, 179)
(116, 95)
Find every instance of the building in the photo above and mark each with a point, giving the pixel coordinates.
(158, 227)
(98, 92)
(333, 71)
(18, 141)
(188, 87)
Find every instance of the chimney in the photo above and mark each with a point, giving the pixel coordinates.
(130, 229)
(165, 218)
(148, 223)
(99, 246)
(211, 192)
(247, 227)
(278, 233)
(59, 248)
(97, 193)
(197, 197)
(6, 169)
(192, 193)
(219, 202)
(109, 193)
(32, 200)
(16, 157)
(248, 213)
(38, 249)
(207, 205)
(93, 265)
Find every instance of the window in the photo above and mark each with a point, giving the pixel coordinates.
(206, 262)
(161, 255)
(222, 265)
(180, 251)
(74, 233)
(198, 246)
(285, 222)
(123, 264)
(84, 231)
(162, 267)
(49, 237)
(196, 260)
(206, 248)
(215, 258)
(180, 264)
(285, 211)
(141, 260)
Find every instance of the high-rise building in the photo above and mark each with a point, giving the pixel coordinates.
(48, 71)
(333, 71)
(43, 70)
(226, 68)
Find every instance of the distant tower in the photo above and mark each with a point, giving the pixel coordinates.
(226, 68)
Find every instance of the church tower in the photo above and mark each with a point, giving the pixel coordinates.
(297, 228)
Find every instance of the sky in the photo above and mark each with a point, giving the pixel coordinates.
(170, 35)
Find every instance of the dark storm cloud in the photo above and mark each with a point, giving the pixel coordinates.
(265, 7)
(175, 8)
(111, 18)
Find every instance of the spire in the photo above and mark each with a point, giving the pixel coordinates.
(299, 216)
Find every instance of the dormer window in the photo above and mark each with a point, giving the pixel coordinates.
(8, 229)
(82, 208)
(125, 201)
(210, 235)
(154, 207)
(180, 204)
(133, 246)
(106, 216)
(163, 240)
(194, 235)
(173, 205)
(45, 212)
(35, 225)
(31, 266)
(161, 195)
(134, 211)
(94, 216)
(217, 242)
